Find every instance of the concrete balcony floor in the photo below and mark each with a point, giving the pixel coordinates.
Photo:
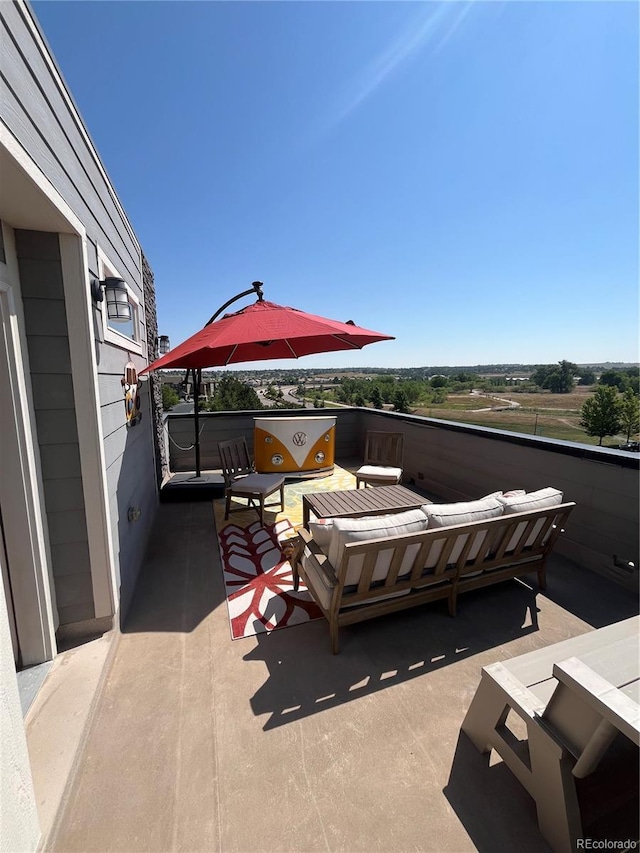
(196, 742)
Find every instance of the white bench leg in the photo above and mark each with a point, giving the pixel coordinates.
(554, 791)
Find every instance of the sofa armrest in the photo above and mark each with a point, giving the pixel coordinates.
(319, 558)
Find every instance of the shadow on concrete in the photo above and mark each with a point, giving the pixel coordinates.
(589, 596)
(499, 814)
(305, 678)
(180, 583)
(494, 808)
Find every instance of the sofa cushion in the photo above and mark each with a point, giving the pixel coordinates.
(321, 529)
(374, 527)
(380, 472)
(449, 515)
(540, 499)
(529, 501)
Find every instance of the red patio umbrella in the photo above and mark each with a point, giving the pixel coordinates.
(260, 332)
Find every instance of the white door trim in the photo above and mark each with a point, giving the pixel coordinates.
(81, 336)
(84, 370)
(26, 531)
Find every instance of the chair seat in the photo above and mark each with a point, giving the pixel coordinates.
(380, 473)
(257, 484)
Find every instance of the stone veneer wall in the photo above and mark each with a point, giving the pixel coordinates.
(162, 468)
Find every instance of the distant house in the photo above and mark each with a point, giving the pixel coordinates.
(79, 463)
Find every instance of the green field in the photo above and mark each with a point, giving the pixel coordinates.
(545, 414)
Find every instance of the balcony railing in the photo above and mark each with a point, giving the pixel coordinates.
(462, 462)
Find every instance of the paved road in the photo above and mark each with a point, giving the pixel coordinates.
(288, 392)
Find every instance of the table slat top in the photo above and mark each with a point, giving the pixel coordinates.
(361, 501)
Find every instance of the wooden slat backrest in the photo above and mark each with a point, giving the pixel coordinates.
(235, 459)
(384, 448)
(496, 535)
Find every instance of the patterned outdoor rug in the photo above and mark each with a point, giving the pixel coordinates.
(257, 575)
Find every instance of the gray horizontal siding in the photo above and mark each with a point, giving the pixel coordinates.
(45, 123)
(56, 426)
(35, 110)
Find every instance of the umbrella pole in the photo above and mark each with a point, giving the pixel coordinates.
(197, 375)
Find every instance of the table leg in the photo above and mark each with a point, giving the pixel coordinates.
(292, 550)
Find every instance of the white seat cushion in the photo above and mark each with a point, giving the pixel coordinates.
(257, 484)
(379, 472)
(323, 588)
(374, 527)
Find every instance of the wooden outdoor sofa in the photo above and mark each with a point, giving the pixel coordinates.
(358, 569)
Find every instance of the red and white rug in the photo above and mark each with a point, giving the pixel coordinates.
(259, 580)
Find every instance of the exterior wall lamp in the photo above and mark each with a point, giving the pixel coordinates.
(118, 307)
(164, 344)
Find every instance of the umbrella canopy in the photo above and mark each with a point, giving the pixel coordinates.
(265, 331)
(259, 332)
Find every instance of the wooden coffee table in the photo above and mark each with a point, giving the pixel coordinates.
(352, 503)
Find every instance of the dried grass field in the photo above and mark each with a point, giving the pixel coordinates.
(544, 414)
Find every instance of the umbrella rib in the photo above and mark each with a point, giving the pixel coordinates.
(293, 352)
(350, 343)
(231, 354)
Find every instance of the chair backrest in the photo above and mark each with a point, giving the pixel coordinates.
(235, 459)
(384, 448)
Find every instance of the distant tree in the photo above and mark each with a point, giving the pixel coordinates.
(400, 402)
(600, 414)
(439, 396)
(438, 381)
(318, 403)
(232, 396)
(359, 400)
(557, 378)
(630, 413)
(376, 398)
(587, 376)
(615, 379)
(169, 397)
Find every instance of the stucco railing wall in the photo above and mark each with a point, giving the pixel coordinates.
(461, 462)
(218, 426)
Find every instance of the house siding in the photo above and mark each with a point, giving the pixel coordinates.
(43, 119)
(38, 256)
(39, 111)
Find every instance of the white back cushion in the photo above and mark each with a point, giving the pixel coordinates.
(448, 515)
(540, 499)
(321, 530)
(375, 527)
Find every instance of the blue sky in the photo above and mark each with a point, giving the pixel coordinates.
(463, 176)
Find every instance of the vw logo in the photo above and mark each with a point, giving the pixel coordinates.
(300, 439)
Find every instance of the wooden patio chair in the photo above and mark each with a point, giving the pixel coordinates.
(242, 481)
(382, 459)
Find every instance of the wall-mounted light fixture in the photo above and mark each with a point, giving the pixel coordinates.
(164, 344)
(118, 307)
